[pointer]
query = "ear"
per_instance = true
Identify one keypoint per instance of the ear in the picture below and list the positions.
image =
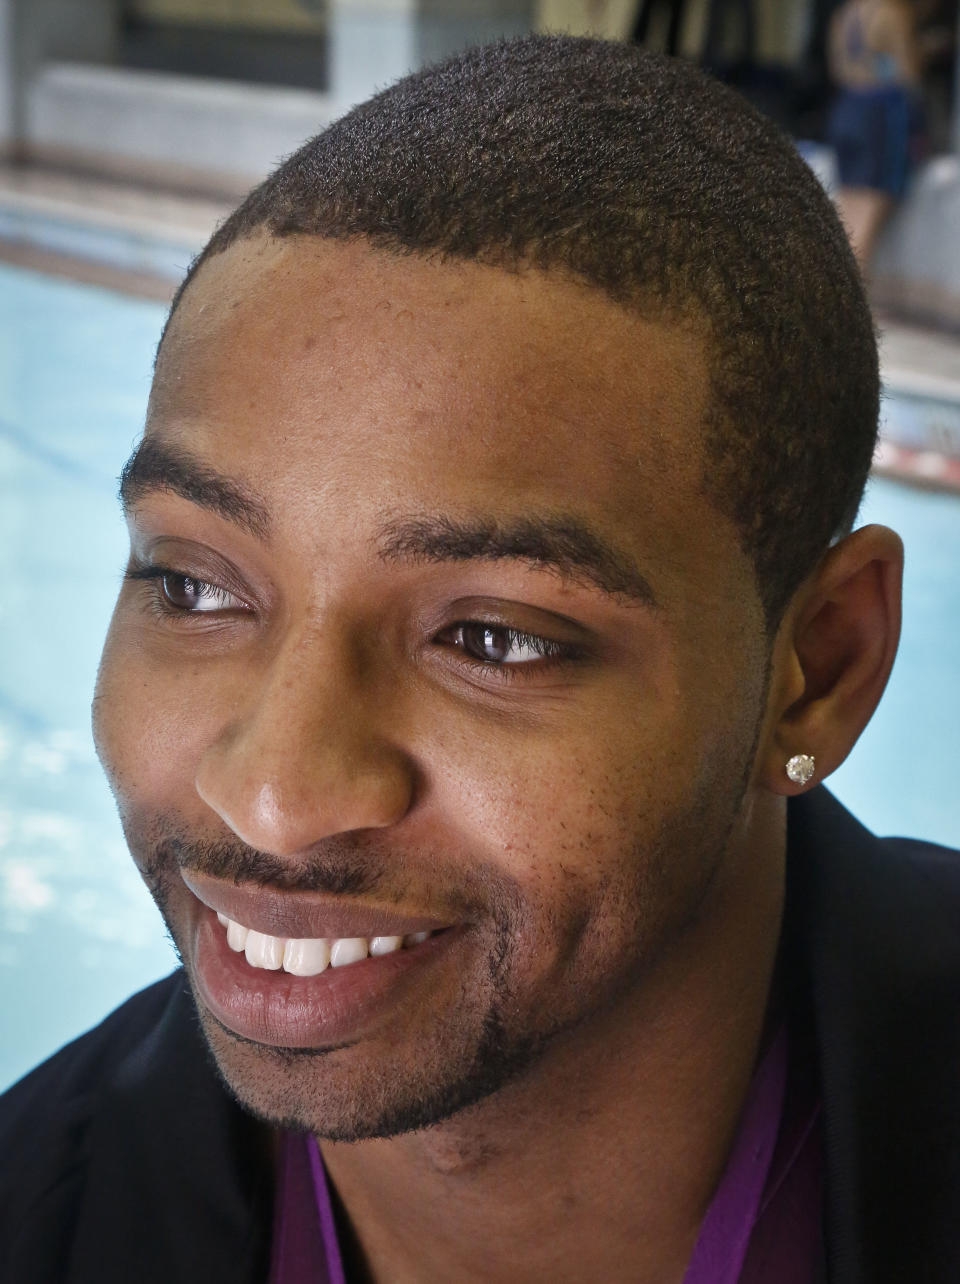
(832, 657)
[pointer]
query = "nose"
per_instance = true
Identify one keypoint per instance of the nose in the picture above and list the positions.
(309, 756)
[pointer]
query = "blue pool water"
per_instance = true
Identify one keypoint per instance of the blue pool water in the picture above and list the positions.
(78, 933)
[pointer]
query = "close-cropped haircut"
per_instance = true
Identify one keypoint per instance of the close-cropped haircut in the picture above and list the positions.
(643, 178)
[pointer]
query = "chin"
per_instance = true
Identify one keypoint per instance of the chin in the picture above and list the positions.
(349, 1093)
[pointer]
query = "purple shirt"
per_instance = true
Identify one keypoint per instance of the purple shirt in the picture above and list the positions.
(305, 1248)
(763, 1222)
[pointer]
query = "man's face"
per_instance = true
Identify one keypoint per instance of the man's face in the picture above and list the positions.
(429, 628)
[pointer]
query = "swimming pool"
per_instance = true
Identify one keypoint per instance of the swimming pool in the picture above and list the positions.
(78, 932)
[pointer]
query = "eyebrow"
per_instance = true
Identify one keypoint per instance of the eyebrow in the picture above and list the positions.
(557, 542)
(157, 467)
(554, 542)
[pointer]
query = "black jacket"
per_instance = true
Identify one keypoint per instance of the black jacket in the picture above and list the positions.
(125, 1161)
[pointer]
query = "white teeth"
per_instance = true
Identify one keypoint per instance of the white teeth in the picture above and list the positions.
(350, 949)
(385, 945)
(310, 957)
(236, 935)
(306, 957)
(264, 951)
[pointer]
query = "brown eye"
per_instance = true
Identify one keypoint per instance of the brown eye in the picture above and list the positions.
(496, 644)
(188, 594)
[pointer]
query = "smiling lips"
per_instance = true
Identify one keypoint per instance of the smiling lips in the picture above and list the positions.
(309, 956)
(293, 969)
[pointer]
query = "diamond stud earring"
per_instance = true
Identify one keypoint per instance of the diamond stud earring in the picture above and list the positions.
(801, 768)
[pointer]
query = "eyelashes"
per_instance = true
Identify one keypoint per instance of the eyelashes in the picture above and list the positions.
(186, 594)
(503, 646)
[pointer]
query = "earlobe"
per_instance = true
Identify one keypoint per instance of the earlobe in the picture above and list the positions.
(840, 637)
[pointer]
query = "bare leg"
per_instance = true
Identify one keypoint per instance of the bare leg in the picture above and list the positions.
(863, 211)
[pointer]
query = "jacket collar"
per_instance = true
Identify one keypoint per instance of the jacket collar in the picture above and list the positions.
(178, 1177)
(875, 945)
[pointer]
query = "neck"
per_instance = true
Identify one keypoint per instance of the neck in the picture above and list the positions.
(616, 1140)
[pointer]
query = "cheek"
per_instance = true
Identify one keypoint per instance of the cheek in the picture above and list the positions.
(553, 805)
(608, 817)
(150, 722)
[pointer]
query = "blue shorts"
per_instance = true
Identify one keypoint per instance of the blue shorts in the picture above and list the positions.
(877, 135)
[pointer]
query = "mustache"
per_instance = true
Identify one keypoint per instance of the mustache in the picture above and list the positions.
(354, 866)
(339, 870)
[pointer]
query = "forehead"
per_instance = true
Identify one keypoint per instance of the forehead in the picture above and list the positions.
(276, 334)
(337, 375)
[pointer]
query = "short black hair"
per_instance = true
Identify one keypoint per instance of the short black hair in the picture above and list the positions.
(646, 179)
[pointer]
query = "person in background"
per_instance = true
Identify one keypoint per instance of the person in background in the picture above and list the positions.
(876, 123)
